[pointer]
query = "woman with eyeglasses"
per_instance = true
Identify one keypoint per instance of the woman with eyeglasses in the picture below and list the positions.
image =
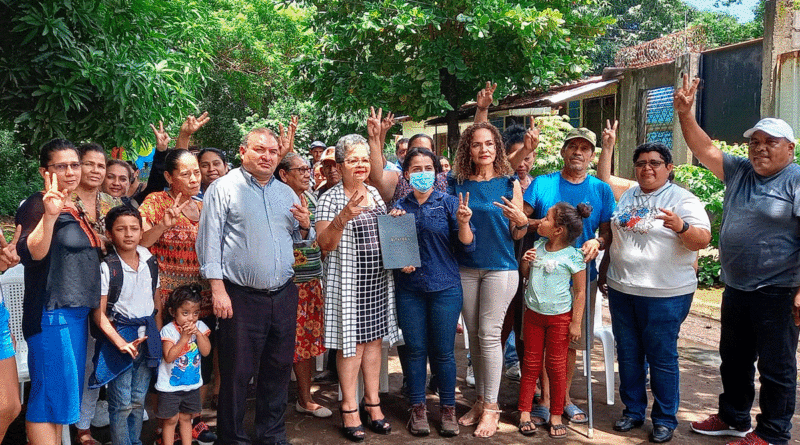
(295, 172)
(359, 292)
(61, 255)
(657, 227)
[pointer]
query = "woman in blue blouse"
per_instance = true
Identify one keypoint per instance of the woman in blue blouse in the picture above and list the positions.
(488, 274)
(429, 298)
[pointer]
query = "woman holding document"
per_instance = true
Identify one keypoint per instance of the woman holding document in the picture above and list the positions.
(429, 297)
(359, 300)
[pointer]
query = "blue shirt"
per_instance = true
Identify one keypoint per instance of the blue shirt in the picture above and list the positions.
(246, 231)
(548, 190)
(494, 247)
(437, 233)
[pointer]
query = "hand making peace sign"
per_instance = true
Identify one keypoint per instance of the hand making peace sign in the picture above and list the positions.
(54, 199)
(8, 251)
(172, 214)
(464, 213)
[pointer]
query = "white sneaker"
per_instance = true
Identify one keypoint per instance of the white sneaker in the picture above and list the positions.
(514, 373)
(145, 417)
(470, 377)
(100, 418)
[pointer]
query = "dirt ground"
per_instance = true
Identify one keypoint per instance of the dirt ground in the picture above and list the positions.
(700, 386)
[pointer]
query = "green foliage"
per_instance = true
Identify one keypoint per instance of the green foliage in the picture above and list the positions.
(424, 59)
(708, 271)
(639, 21)
(552, 131)
(316, 123)
(99, 70)
(19, 177)
(253, 43)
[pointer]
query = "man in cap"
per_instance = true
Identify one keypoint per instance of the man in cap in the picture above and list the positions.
(759, 246)
(315, 152)
(574, 185)
(329, 170)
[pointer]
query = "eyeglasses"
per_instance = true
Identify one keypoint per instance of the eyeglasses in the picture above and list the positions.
(61, 168)
(302, 170)
(652, 163)
(352, 162)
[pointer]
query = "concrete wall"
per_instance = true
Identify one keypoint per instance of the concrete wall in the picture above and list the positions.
(631, 110)
(781, 35)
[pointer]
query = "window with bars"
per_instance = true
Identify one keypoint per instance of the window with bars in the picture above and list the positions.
(574, 112)
(659, 115)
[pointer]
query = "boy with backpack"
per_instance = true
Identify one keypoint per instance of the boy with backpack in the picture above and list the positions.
(128, 342)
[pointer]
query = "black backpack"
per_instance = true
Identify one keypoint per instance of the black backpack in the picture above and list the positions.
(116, 275)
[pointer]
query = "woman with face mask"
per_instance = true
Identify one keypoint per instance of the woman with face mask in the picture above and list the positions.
(429, 297)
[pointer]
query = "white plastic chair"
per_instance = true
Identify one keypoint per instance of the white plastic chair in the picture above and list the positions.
(603, 332)
(13, 287)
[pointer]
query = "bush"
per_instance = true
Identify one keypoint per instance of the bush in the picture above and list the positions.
(19, 177)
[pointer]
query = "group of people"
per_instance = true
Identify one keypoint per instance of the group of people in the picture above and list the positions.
(266, 266)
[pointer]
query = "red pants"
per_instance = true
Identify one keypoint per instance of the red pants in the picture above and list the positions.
(542, 333)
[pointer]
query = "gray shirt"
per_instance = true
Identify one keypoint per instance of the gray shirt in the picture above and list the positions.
(759, 240)
(246, 231)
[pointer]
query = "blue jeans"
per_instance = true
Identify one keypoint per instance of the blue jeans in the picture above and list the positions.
(428, 321)
(758, 326)
(126, 395)
(510, 357)
(646, 332)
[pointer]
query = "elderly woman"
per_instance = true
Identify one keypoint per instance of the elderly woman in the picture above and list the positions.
(658, 227)
(489, 275)
(170, 221)
(359, 306)
(295, 172)
(61, 255)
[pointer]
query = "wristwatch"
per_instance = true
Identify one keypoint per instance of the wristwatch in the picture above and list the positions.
(684, 228)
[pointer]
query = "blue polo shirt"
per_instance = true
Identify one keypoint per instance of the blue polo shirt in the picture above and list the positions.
(437, 233)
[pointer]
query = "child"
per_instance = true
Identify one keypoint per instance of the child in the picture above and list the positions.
(548, 324)
(129, 280)
(184, 339)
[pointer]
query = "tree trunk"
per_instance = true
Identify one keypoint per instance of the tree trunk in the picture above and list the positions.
(449, 88)
(453, 132)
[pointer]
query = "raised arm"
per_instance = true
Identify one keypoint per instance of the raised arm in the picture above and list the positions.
(609, 138)
(54, 200)
(484, 100)
(697, 139)
(189, 127)
(384, 181)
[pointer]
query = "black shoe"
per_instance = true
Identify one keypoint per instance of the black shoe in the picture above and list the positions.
(661, 434)
(379, 426)
(352, 433)
(625, 424)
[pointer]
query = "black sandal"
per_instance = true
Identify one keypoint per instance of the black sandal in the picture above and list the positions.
(557, 429)
(352, 433)
(380, 426)
(531, 428)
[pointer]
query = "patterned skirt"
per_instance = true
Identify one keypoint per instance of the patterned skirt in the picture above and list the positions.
(308, 342)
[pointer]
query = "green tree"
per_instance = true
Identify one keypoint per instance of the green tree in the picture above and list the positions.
(639, 21)
(99, 70)
(425, 59)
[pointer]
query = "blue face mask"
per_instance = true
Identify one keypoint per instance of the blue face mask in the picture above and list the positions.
(422, 181)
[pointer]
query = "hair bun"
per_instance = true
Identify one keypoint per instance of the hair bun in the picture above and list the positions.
(584, 210)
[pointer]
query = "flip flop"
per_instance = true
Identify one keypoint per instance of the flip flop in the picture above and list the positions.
(540, 412)
(570, 411)
(527, 432)
(558, 428)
